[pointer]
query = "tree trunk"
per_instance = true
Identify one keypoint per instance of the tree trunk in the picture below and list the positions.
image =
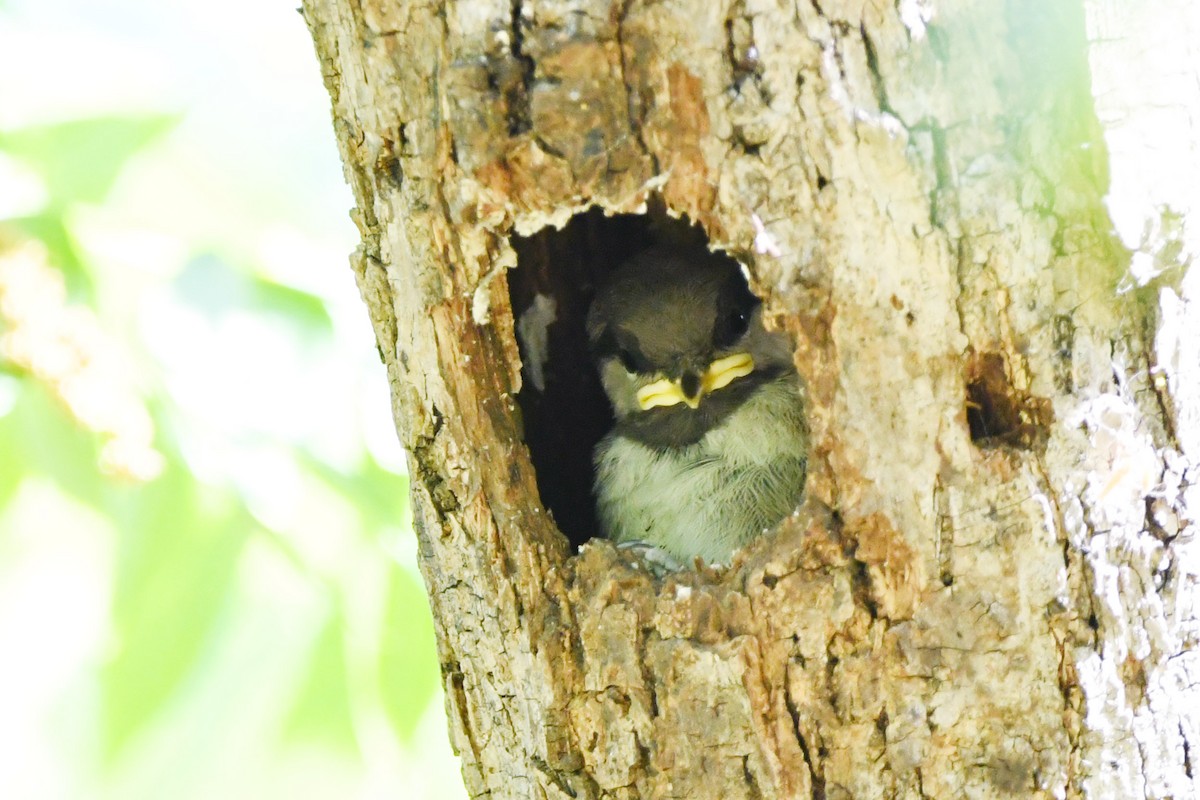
(991, 587)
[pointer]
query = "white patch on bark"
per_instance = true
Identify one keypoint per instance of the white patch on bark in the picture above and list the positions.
(533, 330)
(892, 126)
(481, 299)
(1141, 538)
(1124, 464)
(833, 75)
(1141, 712)
(764, 242)
(1142, 59)
(1177, 353)
(916, 14)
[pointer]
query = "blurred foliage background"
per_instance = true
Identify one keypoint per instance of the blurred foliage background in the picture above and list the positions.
(208, 582)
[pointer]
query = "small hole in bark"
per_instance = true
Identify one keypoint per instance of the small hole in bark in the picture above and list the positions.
(947, 579)
(749, 148)
(1093, 622)
(563, 406)
(769, 581)
(822, 181)
(998, 414)
(390, 165)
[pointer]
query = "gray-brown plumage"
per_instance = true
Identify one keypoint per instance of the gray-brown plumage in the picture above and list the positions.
(710, 443)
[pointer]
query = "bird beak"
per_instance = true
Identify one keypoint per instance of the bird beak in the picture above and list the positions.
(720, 373)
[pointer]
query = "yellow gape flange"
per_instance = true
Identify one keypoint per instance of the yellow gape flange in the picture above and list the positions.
(719, 374)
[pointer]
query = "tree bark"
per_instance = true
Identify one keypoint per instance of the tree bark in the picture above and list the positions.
(991, 588)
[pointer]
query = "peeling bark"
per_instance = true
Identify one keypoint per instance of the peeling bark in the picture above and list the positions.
(991, 589)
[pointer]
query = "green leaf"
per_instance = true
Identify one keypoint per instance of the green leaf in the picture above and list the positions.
(322, 712)
(381, 496)
(408, 658)
(293, 304)
(48, 440)
(212, 285)
(80, 160)
(181, 544)
(12, 468)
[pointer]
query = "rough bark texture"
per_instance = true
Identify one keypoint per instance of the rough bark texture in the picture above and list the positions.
(991, 589)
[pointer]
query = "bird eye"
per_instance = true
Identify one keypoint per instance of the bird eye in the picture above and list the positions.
(734, 318)
(734, 325)
(628, 360)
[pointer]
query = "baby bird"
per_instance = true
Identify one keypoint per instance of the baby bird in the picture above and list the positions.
(710, 444)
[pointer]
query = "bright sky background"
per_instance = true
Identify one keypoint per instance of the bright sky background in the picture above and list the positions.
(245, 186)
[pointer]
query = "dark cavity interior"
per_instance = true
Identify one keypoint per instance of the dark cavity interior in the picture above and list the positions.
(563, 406)
(997, 414)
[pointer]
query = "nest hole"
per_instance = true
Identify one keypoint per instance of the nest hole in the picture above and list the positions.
(563, 406)
(997, 413)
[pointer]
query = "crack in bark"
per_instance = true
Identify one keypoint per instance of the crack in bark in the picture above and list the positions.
(517, 92)
(633, 105)
(751, 782)
(554, 777)
(815, 775)
(458, 701)
(1157, 381)
(877, 84)
(861, 578)
(1068, 681)
(1187, 752)
(921, 784)
(818, 781)
(943, 546)
(943, 175)
(1064, 348)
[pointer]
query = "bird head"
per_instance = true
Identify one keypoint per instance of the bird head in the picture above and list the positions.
(679, 343)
